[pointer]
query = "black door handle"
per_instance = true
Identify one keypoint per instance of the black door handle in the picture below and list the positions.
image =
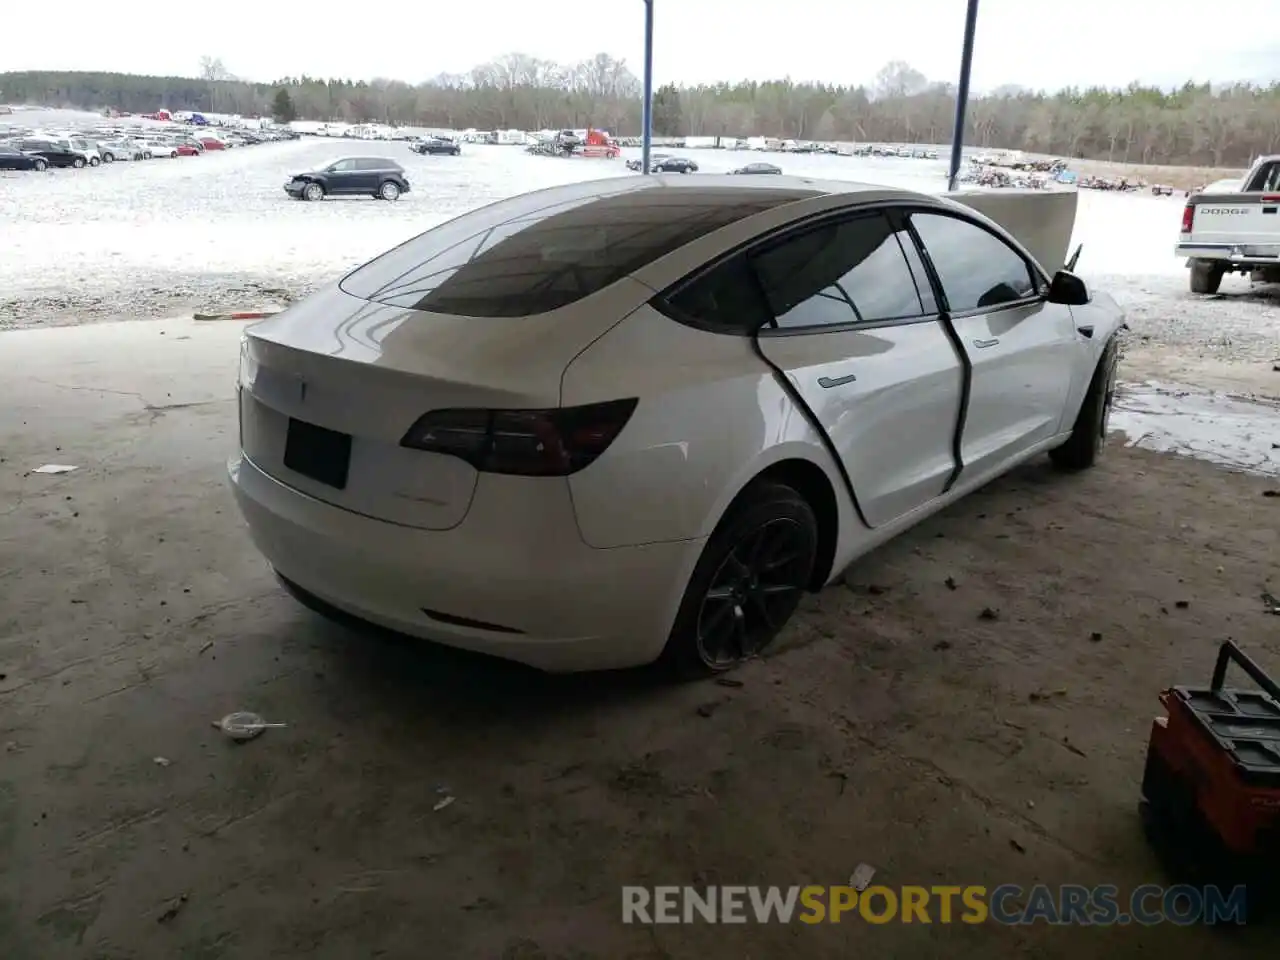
(827, 382)
(1086, 331)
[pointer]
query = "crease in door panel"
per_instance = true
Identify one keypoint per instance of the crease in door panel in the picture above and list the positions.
(966, 365)
(797, 398)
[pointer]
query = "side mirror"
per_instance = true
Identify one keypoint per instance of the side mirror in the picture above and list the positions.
(1068, 289)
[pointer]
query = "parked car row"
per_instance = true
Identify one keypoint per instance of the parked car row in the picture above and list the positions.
(37, 150)
(666, 163)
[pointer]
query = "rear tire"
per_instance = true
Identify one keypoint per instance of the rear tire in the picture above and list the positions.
(1206, 276)
(389, 191)
(746, 585)
(94, 161)
(108, 158)
(1089, 435)
(41, 166)
(78, 163)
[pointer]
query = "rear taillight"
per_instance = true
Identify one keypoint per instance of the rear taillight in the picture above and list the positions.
(1188, 217)
(527, 443)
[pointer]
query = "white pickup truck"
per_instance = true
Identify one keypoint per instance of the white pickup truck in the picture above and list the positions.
(1234, 231)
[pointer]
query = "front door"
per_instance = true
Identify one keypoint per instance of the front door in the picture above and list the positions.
(344, 178)
(1023, 349)
(869, 355)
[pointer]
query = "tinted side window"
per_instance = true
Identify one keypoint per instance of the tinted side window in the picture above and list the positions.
(924, 287)
(849, 271)
(976, 268)
(343, 166)
(726, 298)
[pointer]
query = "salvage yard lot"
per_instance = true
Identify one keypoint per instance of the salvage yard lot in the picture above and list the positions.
(970, 706)
(894, 725)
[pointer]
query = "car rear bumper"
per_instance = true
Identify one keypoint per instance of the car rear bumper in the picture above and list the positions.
(514, 581)
(1243, 254)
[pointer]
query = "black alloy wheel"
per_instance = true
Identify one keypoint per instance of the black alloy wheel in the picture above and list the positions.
(1108, 401)
(748, 581)
(754, 592)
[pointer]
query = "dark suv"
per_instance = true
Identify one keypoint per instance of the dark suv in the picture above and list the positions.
(54, 154)
(375, 177)
(436, 145)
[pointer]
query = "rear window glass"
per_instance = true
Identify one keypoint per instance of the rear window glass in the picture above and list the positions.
(545, 250)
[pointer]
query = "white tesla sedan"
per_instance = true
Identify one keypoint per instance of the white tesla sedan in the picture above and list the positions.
(612, 422)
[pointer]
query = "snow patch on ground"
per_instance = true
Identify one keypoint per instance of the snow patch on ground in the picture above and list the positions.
(1230, 431)
(213, 233)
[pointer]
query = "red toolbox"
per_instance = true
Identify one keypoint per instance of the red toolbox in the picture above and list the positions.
(1211, 788)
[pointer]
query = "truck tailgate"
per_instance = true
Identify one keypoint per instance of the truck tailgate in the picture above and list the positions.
(1239, 219)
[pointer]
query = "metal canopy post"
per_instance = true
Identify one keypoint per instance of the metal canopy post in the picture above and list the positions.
(646, 121)
(962, 92)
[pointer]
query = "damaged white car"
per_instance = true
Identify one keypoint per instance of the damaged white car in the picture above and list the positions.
(620, 421)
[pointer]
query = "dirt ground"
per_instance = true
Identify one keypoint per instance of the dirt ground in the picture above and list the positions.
(892, 726)
(1182, 178)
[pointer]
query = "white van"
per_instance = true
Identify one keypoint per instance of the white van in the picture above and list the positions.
(80, 145)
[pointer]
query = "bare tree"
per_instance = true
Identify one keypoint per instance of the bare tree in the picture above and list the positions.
(211, 68)
(1194, 125)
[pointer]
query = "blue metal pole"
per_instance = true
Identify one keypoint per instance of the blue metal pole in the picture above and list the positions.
(646, 120)
(962, 92)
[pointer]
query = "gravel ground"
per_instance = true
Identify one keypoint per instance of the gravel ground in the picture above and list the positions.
(165, 237)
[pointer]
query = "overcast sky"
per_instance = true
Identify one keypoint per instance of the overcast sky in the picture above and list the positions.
(1034, 43)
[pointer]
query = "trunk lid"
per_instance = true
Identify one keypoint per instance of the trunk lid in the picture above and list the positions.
(364, 372)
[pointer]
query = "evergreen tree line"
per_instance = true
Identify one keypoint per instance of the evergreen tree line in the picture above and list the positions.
(1197, 124)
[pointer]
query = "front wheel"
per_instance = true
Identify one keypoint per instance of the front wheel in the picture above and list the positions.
(1206, 276)
(313, 191)
(1089, 435)
(389, 191)
(748, 582)
(108, 158)
(41, 166)
(94, 161)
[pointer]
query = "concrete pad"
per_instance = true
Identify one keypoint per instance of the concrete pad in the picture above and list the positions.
(893, 726)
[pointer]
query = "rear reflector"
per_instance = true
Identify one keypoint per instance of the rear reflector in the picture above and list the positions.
(526, 443)
(1188, 217)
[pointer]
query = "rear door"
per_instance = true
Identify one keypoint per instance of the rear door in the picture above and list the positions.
(847, 326)
(1023, 350)
(368, 173)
